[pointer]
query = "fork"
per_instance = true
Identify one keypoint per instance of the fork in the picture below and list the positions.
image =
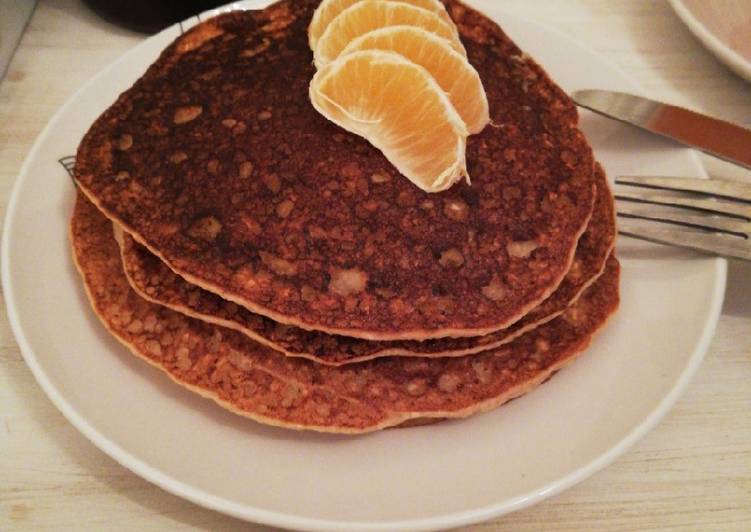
(709, 215)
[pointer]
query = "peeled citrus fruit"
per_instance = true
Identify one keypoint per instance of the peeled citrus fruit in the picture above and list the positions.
(369, 15)
(451, 70)
(329, 9)
(399, 107)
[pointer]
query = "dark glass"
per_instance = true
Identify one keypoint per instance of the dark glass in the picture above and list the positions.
(149, 16)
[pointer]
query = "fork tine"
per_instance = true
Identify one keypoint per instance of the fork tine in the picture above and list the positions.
(726, 245)
(661, 213)
(659, 201)
(732, 208)
(710, 187)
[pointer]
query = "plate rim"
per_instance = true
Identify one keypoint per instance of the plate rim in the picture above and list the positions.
(243, 511)
(732, 59)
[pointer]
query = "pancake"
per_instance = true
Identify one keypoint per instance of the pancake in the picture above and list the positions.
(154, 281)
(217, 162)
(260, 383)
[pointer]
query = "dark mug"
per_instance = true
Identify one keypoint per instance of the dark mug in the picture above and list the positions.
(150, 16)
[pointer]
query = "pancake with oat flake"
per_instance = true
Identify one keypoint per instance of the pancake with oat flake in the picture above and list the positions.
(154, 281)
(217, 162)
(257, 382)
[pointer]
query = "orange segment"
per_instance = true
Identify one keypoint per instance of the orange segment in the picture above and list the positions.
(398, 107)
(450, 69)
(329, 9)
(369, 15)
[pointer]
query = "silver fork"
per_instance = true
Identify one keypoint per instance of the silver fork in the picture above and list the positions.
(709, 215)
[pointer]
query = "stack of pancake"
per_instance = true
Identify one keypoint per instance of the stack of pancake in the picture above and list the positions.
(263, 257)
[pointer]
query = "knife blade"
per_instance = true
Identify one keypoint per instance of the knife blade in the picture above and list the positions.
(711, 135)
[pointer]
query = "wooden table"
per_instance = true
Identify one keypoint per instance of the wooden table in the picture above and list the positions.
(693, 472)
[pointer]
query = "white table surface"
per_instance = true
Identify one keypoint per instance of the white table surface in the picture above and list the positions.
(693, 472)
(14, 14)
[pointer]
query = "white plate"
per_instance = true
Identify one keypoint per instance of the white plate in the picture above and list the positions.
(724, 27)
(444, 475)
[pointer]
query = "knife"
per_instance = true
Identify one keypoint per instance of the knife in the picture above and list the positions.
(711, 135)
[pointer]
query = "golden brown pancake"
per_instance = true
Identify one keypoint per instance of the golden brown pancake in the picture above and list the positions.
(154, 281)
(217, 162)
(257, 382)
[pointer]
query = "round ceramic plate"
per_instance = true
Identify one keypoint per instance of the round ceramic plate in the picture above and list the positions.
(724, 27)
(443, 475)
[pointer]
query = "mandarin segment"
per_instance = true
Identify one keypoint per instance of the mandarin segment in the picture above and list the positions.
(329, 9)
(423, 137)
(368, 15)
(451, 70)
